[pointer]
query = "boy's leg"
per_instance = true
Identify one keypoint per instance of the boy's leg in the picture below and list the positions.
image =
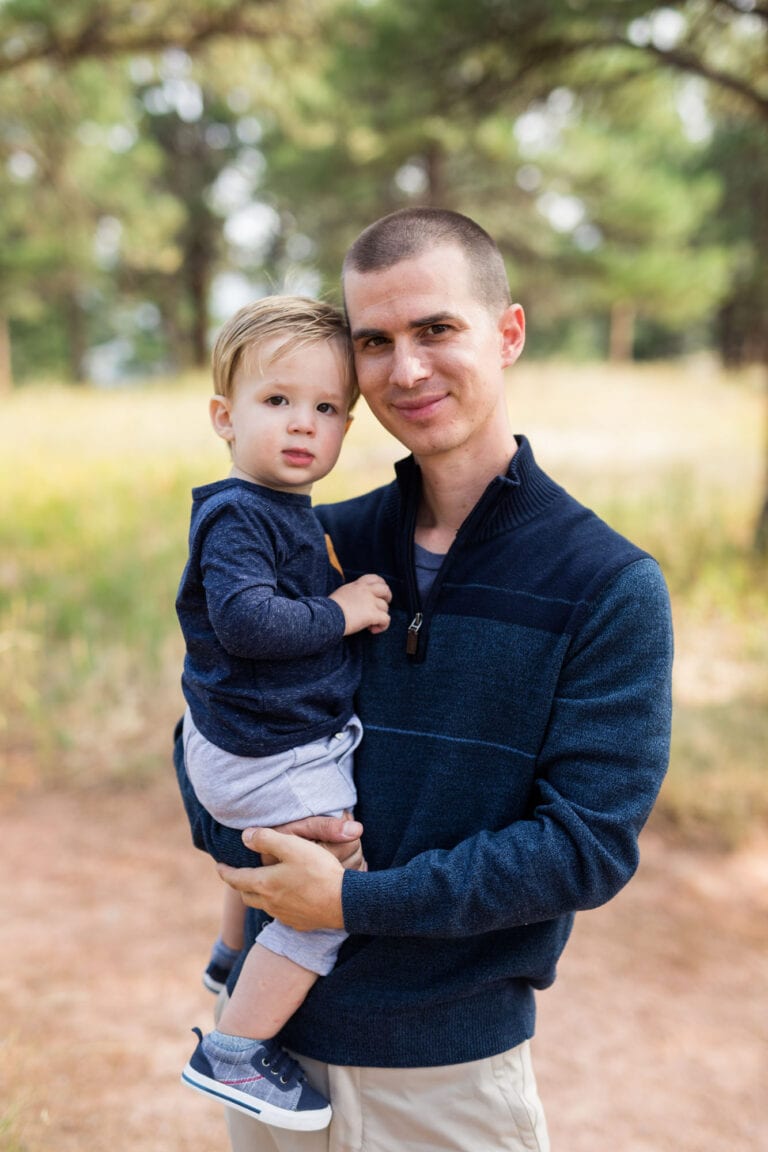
(241, 1065)
(229, 944)
(269, 989)
(232, 930)
(248, 1135)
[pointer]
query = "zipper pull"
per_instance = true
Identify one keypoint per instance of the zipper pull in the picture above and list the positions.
(412, 639)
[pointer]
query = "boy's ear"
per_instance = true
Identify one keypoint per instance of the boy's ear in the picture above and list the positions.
(221, 418)
(350, 418)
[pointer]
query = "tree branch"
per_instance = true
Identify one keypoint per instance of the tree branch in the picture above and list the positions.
(102, 37)
(679, 60)
(695, 65)
(734, 5)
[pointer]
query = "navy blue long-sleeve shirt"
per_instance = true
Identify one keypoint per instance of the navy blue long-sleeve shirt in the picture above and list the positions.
(266, 667)
(507, 767)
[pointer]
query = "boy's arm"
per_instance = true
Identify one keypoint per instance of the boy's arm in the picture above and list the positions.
(252, 620)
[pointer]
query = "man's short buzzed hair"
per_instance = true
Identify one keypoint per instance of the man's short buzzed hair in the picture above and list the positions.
(409, 232)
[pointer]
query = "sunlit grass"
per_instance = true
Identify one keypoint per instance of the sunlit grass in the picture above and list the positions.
(94, 506)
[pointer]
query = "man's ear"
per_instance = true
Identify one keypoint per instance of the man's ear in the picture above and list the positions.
(221, 418)
(512, 329)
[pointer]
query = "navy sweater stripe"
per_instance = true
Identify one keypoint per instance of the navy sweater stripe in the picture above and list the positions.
(423, 734)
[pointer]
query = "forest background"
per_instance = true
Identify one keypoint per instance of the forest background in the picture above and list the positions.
(162, 163)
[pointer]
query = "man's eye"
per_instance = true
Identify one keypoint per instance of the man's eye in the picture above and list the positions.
(326, 407)
(276, 401)
(438, 329)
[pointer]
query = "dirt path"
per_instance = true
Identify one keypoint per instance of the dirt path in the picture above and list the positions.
(654, 1038)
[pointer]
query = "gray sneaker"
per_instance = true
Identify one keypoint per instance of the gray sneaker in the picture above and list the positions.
(268, 1086)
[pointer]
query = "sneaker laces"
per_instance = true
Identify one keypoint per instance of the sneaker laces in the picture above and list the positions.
(282, 1065)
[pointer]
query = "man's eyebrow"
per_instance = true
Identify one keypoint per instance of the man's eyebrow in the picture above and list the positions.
(419, 322)
(365, 333)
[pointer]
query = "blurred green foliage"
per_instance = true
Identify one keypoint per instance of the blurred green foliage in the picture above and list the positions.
(154, 160)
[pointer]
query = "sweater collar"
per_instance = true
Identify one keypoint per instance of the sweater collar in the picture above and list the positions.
(514, 498)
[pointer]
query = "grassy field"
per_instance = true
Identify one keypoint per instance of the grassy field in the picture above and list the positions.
(94, 496)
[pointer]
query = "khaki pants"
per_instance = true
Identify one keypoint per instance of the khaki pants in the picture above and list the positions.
(483, 1106)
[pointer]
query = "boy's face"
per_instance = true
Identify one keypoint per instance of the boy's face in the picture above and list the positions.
(286, 419)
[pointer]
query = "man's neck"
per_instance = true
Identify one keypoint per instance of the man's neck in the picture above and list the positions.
(451, 487)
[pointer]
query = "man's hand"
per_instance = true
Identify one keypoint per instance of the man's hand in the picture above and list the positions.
(303, 889)
(339, 835)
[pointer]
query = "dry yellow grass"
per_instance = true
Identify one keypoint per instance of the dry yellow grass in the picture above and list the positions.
(93, 515)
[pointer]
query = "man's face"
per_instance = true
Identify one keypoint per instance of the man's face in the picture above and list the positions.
(430, 356)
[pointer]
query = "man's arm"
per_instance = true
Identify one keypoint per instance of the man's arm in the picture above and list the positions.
(601, 767)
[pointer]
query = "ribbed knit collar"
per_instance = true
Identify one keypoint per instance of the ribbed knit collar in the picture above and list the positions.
(508, 501)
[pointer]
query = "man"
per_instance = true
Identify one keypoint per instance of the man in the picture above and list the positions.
(516, 719)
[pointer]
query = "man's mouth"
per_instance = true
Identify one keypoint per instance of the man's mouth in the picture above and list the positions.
(417, 407)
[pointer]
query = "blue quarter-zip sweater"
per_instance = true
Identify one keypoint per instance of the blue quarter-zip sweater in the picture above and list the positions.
(516, 736)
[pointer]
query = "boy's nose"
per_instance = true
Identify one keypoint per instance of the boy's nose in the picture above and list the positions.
(302, 421)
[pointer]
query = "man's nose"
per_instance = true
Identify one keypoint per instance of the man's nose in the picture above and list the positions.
(408, 367)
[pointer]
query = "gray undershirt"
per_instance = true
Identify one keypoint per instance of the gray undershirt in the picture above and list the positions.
(427, 566)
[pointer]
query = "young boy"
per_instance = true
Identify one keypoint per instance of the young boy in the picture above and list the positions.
(269, 730)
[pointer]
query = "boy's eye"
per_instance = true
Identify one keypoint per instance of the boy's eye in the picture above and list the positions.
(326, 407)
(276, 401)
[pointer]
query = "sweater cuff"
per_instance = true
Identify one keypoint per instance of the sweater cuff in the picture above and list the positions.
(370, 904)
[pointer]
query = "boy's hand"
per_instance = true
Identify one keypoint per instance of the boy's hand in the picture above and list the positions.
(365, 604)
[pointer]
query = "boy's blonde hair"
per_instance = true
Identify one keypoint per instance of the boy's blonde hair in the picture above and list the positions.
(298, 320)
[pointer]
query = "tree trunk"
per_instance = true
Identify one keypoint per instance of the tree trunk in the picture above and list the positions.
(199, 293)
(761, 527)
(76, 337)
(434, 171)
(622, 336)
(198, 262)
(6, 371)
